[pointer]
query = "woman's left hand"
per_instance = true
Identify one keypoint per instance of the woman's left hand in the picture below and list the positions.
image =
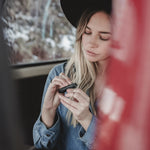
(78, 103)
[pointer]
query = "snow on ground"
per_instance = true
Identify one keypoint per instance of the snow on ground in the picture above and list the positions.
(67, 42)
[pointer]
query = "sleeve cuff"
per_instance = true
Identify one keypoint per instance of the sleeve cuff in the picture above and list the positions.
(47, 135)
(88, 137)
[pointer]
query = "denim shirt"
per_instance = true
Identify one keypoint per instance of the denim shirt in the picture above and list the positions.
(61, 135)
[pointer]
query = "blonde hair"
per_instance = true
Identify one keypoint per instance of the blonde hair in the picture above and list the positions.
(79, 69)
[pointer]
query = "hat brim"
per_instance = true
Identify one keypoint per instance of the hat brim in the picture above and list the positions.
(73, 9)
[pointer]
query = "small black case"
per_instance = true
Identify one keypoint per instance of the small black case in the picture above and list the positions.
(63, 89)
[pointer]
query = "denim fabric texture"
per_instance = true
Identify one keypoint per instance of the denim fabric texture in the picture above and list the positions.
(62, 136)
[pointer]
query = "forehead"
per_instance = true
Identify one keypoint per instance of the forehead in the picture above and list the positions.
(100, 21)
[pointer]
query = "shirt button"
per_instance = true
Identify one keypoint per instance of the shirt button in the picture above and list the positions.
(48, 135)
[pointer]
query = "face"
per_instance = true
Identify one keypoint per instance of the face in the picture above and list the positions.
(96, 38)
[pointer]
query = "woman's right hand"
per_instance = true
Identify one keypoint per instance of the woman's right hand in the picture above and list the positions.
(52, 100)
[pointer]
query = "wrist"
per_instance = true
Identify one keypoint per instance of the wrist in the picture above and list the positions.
(48, 117)
(86, 122)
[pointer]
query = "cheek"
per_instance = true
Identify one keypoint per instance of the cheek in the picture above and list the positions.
(84, 42)
(105, 49)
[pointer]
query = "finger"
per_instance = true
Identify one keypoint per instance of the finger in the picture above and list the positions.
(69, 103)
(70, 90)
(81, 93)
(78, 94)
(78, 90)
(56, 83)
(72, 109)
(71, 97)
(63, 76)
(82, 102)
(61, 80)
(69, 94)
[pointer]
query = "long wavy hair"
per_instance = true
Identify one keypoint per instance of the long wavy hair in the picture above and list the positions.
(79, 69)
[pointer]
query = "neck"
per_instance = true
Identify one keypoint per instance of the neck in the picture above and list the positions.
(100, 78)
(102, 67)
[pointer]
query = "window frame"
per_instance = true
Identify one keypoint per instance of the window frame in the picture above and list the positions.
(21, 71)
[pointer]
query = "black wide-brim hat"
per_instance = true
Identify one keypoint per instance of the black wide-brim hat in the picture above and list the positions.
(73, 9)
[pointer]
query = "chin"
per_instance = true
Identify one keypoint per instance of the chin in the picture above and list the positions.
(92, 60)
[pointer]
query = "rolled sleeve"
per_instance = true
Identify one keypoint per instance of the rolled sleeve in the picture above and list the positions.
(88, 137)
(45, 137)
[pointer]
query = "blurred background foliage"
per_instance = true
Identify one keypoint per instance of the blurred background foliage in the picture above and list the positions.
(37, 30)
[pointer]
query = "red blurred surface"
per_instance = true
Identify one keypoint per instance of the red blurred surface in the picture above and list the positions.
(125, 124)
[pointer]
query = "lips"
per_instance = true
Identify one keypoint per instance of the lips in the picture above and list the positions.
(90, 53)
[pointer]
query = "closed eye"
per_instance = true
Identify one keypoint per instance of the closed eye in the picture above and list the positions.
(104, 38)
(87, 32)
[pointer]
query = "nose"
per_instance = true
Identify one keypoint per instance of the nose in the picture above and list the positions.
(93, 42)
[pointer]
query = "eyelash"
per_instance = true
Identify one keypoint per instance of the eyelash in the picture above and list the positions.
(103, 39)
(87, 33)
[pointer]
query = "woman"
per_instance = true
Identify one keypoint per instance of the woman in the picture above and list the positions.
(67, 121)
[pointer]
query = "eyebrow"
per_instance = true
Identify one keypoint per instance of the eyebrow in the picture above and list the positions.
(102, 32)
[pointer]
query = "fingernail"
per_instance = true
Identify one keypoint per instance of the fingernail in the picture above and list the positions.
(59, 95)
